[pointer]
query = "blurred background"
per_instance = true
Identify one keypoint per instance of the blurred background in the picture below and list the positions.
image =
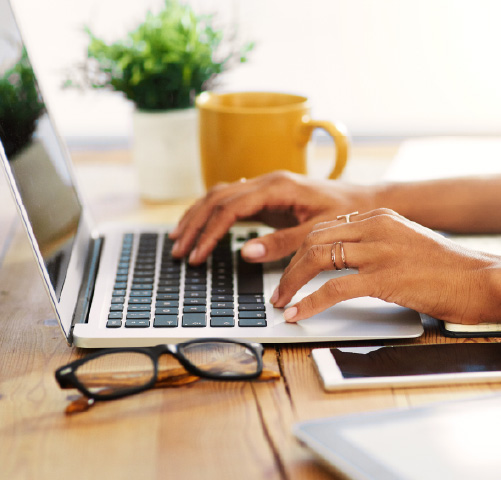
(386, 68)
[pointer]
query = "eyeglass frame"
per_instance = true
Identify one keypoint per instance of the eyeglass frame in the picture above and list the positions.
(67, 378)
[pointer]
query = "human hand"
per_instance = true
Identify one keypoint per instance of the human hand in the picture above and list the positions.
(290, 202)
(398, 261)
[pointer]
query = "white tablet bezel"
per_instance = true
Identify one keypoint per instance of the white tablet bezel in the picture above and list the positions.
(332, 379)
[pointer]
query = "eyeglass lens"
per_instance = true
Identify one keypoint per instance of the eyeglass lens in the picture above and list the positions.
(221, 358)
(116, 372)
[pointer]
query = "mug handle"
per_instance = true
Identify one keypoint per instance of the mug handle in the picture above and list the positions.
(338, 133)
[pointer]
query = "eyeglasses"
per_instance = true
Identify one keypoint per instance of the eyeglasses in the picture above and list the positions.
(115, 373)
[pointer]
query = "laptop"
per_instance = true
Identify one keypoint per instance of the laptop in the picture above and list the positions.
(118, 285)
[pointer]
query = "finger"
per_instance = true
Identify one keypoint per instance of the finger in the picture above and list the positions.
(356, 218)
(196, 217)
(332, 292)
(276, 245)
(184, 219)
(318, 259)
(225, 214)
(346, 232)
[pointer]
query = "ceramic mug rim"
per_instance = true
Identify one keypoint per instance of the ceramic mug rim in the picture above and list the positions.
(297, 102)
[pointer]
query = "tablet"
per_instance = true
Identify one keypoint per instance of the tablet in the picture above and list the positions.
(451, 440)
(407, 365)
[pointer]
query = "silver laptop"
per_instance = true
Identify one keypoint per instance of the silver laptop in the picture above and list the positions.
(118, 285)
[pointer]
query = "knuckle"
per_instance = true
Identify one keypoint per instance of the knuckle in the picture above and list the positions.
(385, 211)
(280, 177)
(310, 240)
(334, 288)
(216, 190)
(314, 254)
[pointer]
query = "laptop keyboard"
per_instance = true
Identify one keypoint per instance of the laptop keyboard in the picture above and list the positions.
(153, 289)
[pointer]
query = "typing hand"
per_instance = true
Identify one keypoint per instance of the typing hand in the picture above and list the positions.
(290, 202)
(398, 261)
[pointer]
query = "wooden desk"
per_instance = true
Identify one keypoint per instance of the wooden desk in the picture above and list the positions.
(204, 430)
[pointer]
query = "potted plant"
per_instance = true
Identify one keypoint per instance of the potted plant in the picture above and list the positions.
(161, 66)
(20, 106)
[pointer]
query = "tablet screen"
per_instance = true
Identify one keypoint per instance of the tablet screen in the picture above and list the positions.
(418, 359)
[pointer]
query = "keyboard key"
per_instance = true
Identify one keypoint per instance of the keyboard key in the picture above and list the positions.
(168, 282)
(120, 286)
(194, 309)
(250, 278)
(138, 315)
(225, 283)
(119, 293)
(144, 274)
(194, 294)
(251, 315)
(140, 293)
(137, 323)
(167, 311)
(139, 307)
(222, 291)
(168, 296)
(194, 320)
(195, 288)
(115, 315)
(222, 305)
(171, 269)
(222, 322)
(114, 323)
(195, 280)
(169, 289)
(170, 276)
(222, 298)
(194, 301)
(143, 300)
(167, 304)
(252, 322)
(220, 312)
(251, 307)
(250, 299)
(165, 321)
(116, 307)
(142, 286)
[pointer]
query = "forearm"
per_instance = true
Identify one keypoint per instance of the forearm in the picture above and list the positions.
(457, 205)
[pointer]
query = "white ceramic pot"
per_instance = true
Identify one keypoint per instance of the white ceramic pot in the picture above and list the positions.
(166, 154)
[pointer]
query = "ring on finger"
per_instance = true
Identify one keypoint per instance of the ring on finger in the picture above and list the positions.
(333, 255)
(347, 217)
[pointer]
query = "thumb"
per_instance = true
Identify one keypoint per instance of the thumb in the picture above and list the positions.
(276, 245)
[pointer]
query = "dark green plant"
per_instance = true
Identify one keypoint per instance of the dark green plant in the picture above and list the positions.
(162, 64)
(20, 106)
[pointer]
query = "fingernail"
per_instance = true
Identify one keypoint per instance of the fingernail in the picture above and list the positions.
(175, 248)
(193, 256)
(253, 250)
(274, 297)
(174, 232)
(290, 313)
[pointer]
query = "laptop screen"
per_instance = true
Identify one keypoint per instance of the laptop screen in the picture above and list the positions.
(35, 155)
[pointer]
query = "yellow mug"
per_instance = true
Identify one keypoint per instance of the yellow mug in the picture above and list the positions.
(246, 134)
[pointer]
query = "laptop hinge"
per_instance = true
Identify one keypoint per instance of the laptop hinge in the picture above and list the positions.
(89, 281)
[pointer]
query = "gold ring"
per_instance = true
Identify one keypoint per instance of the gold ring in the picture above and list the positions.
(333, 255)
(347, 216)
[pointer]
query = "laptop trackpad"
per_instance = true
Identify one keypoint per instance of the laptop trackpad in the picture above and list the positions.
(357, 318)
